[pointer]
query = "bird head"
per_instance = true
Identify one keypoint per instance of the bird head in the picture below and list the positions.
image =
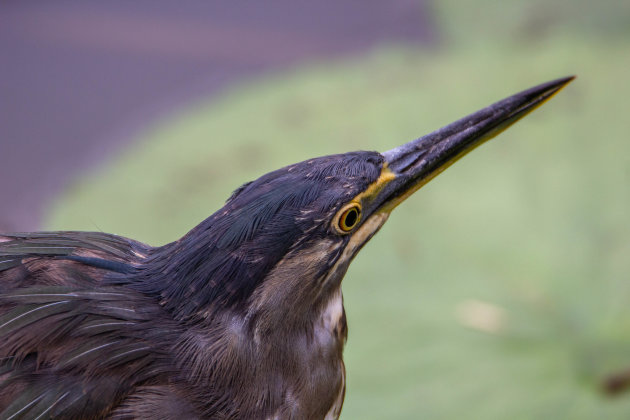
(281, 245)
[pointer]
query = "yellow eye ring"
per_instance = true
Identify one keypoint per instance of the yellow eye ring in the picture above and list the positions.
(348, 217)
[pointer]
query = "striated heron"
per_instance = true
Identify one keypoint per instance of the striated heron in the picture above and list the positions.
(242, 318)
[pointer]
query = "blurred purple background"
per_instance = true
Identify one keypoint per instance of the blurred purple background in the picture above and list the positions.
(80, 78)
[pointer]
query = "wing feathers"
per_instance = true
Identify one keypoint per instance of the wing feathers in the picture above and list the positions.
(69, 346)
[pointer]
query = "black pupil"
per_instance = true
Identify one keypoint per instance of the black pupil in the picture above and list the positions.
(351, 217)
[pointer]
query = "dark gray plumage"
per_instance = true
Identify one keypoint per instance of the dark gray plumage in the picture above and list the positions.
(242, 318)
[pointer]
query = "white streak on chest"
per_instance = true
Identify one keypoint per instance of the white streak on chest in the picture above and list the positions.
(333, 311)
(327, 326)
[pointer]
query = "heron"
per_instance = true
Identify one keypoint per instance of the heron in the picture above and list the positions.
(241, 318)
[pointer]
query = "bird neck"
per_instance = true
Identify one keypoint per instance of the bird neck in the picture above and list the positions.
(245, 359)
(193, 276)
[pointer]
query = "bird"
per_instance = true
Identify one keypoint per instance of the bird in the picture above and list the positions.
(241, 318)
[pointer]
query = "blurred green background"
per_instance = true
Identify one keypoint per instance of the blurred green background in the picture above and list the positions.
(501, 289)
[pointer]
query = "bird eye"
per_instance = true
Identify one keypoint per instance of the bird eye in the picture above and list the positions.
(348, 218)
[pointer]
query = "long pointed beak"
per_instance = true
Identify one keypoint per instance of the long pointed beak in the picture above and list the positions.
(415, 163)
